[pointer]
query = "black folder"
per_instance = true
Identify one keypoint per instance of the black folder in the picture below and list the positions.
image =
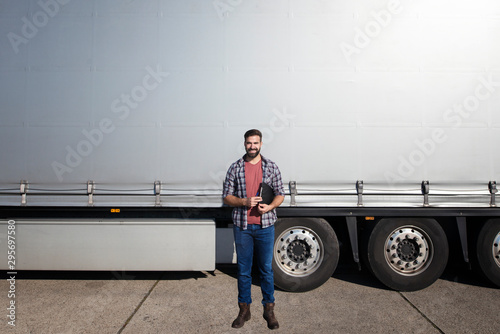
(267, 193)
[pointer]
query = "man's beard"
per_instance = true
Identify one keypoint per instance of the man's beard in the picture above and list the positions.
(252, 154)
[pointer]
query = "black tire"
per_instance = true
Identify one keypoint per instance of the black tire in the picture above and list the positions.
(488, 250)
(407, 254)
(306, 253)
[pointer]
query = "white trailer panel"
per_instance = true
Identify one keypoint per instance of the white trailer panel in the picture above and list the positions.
(112, 244)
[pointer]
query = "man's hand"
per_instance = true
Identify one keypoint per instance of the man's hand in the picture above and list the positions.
(252, 201)
(263, 208)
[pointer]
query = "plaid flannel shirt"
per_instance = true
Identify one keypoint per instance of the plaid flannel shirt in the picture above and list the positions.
(235, 185)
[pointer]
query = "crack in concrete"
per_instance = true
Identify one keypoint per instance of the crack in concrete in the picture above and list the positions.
(139, 306)
(421, 313)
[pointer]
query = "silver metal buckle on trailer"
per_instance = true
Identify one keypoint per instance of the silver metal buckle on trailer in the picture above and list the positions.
(359, 190)
(425, 191)
(23, 189)
(90, 192)
(157, 193)
(492, 186)
(293, 192)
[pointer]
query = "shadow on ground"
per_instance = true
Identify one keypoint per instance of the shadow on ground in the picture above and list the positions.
(344, 272)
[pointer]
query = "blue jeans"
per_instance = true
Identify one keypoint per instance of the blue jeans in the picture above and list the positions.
(262, 241)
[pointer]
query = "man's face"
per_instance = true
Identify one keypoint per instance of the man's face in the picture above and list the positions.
(252, 146)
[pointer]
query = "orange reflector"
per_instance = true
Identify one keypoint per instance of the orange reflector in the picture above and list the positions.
(115, 210)
(369, 218)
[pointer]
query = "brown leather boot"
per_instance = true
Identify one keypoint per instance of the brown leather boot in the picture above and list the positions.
(243, 316)
(272, 323)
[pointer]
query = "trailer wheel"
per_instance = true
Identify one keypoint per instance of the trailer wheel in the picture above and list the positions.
(407, 254)
(488, 250)
(306, 253)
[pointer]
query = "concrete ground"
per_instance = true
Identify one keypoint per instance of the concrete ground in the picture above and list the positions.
(205, 302)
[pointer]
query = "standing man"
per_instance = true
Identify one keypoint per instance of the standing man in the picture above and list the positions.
(254, 224)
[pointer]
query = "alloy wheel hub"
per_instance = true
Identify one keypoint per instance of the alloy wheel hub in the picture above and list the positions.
(408, 250)
(496, 249)
(298, 251)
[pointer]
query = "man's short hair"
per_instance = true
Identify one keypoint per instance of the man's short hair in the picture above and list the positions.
(253, 132)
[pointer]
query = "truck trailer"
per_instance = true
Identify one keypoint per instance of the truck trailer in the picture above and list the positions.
(119, 120)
